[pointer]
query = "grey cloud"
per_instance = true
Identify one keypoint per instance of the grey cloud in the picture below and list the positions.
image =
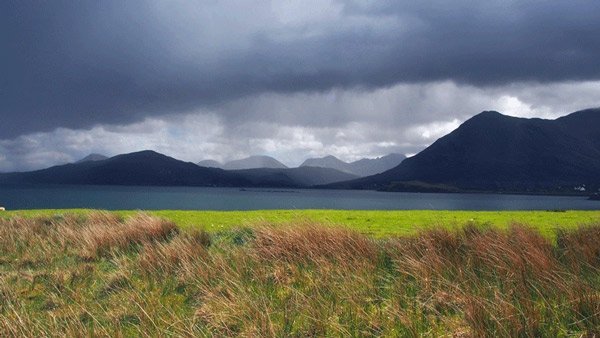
(77, 64)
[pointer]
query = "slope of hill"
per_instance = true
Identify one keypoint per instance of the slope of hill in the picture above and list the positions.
(253, 162)
(140, 168)
(362, 167)
(494, 152)
(293, 177)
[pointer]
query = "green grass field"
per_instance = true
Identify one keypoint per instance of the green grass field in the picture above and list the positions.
(375, 223)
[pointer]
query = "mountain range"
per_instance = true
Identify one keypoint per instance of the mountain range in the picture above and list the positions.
(490, 152)
(362, 167)
(139, 168)
(149, 168)
(499, 153)
(251, 162)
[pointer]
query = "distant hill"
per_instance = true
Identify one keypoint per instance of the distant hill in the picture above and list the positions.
(140, 168)
(363, 167)
(329, 161)
(293, 177)
(494, 152)
(372, 166)
(92, 158)
(253, 162)
(210, 164)
(149, 168)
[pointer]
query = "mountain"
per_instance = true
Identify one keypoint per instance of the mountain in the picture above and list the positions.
(254, 162)
(140, 168)
(329, 161)
(210, 164)
(293, 177)
(494, 152)
(92, 158)
(148, 168)
(363, 167)
(372, 166)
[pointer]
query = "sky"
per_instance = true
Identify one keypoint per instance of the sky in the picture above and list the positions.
(219, 79)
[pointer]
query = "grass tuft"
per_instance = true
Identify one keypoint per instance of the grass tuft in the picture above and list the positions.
(313, 243)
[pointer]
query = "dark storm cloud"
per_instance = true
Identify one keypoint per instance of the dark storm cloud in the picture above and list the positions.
(79, 63)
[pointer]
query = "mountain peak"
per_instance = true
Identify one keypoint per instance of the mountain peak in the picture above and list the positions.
(210, 164)
(253, 162)
(93, 157)
(142, 156)
(328, 161)
(488, 118)
(488, 114)
(146, 153)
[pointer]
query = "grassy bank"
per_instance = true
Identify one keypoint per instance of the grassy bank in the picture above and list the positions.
(375, 223)
(100, 274)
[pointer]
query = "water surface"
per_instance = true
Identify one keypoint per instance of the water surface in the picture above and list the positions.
(200, 198)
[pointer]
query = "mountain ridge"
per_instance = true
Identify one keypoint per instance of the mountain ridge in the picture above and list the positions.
(149, 168)
(500, 153)
(92, 158)
(250, 162)
(362, 167)
(146, 168)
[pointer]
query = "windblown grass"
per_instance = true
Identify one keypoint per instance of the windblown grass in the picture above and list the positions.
(101, 274)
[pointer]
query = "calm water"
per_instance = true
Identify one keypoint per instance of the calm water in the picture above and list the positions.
(190, 198)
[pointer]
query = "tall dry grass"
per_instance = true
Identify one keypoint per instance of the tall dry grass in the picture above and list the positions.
(105, 234)
(511, 283)
(311, 242)
(142, 276)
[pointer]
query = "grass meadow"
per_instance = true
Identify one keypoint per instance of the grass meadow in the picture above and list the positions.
(369, 222)
(313, 273)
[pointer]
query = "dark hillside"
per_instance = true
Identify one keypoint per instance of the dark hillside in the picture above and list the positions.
(494, 152)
